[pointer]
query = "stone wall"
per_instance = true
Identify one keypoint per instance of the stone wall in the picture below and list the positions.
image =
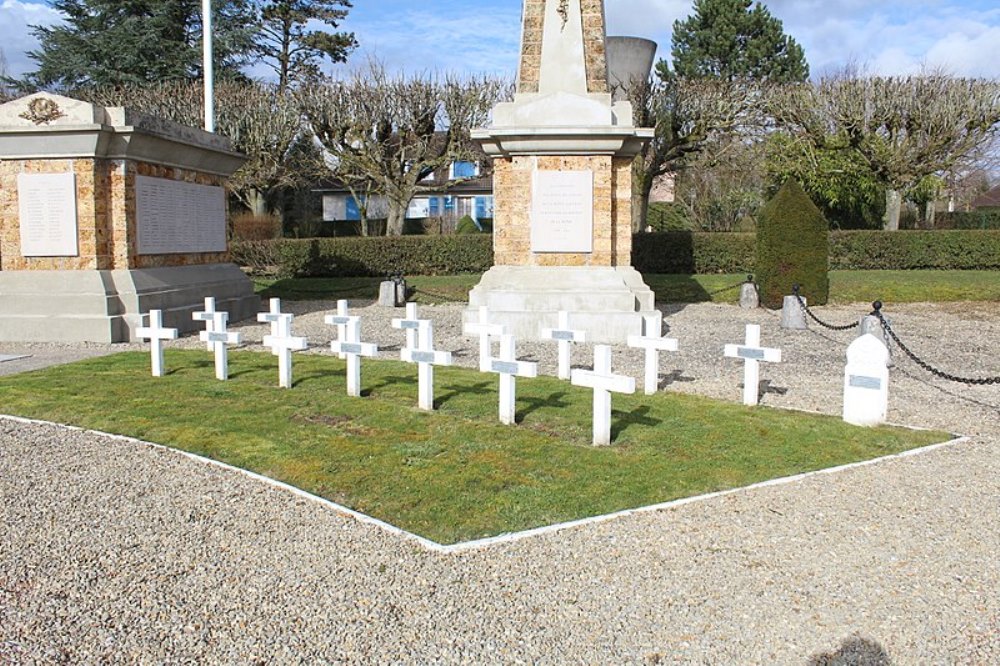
(612, 228)
(106, 215)
(592, 13)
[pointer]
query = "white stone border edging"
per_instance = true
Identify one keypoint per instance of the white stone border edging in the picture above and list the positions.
(511, 536)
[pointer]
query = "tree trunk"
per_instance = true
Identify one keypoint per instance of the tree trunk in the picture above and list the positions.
(641, 189)
(395, 220)
(893, 206)
(257, 203)
(930, 214)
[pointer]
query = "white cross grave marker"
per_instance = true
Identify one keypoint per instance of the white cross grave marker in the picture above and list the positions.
(508, 367)
(156, 334)
(282, 345)
(340, 320)
(484, 329)
(604, 383)
(653, 342)
(206, 316)
(410, 324)
(218, 337)
(753, 354)
(354, 349)
(426, 357)
(271, 317)
(565, 336)
(866, 382)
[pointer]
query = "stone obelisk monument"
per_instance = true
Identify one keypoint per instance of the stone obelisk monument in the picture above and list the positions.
(562, 154)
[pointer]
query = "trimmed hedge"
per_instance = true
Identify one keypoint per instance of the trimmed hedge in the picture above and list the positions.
(978, 219)
(669, 252)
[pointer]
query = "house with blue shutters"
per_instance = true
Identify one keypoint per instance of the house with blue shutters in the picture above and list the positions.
(452, 193)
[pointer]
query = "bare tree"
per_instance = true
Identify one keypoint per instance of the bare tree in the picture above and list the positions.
(906, 128)
(386, 133)
(261, 122)
(686, 114)
(6, 88)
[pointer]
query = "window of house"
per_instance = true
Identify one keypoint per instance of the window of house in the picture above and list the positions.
(463, 170)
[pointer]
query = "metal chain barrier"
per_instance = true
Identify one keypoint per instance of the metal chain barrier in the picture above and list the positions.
(924, 364)
(805, 308)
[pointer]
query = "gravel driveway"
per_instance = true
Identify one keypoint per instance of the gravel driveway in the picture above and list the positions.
(115, 552)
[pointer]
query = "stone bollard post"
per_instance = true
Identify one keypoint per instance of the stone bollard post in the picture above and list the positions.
(400, 290)
(749, 296)
(871, 324)
(793, 314)
(387, 294)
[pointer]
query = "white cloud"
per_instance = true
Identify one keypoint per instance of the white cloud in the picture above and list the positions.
(17, 16)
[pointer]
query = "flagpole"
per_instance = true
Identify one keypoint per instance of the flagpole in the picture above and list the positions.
(206, 21)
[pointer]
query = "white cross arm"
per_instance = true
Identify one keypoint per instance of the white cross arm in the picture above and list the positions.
(420, 356)
(281, 342)
(753, 353)
(518, 368)
(360, 348)
(228, 337)
(150, 333)
(407, 324)
(613, 383)
(568, 336)
(478, 329)
(663, 344)
(202, 316)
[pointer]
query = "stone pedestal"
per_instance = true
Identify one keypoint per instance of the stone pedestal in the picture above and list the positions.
(562, 155)
(793, 316)
(749, 296)
(106, 214)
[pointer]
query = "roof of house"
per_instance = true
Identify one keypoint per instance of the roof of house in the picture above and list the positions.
(988, 199)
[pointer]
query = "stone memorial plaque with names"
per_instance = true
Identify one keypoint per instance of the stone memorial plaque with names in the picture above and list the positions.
(860, 381)
(174, 217)
(562, 211)
(47, 209)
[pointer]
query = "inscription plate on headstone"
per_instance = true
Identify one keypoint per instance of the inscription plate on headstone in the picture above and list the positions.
(47, 209)
(562, 211)
(175, 217)
(351, 348)
(860, 381)
(423, 357)
(564, 335)
(753, 354)
(507, 367)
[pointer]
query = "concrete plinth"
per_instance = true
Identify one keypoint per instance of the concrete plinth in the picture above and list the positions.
(106, 305)
(606, 302)
(793, 317)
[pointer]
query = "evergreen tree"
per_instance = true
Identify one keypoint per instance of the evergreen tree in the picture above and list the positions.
(293, 51)
(734, 39)
(121, 42)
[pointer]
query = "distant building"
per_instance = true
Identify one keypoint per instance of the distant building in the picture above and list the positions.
(987, 200)
(472, 196)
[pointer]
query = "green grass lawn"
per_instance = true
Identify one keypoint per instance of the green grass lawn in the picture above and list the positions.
(455, 474)
(845, 287)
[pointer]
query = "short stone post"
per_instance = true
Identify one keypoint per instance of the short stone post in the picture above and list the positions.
(564, 335)
(206, 316)
(752, 353)
(866, 382)
(387, 294)
(219, 337)
(340, 320)
(604, 384)
(156, 334)
(426, 357)
(653, 342)
(508, 367)
(484, 329)
(749, 295)
(354, 349)
(793, 315)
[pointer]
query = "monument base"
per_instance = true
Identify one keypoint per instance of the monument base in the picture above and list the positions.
(107, 306)
(606, 302)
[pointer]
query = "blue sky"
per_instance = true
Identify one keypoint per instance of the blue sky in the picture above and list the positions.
(893, 37)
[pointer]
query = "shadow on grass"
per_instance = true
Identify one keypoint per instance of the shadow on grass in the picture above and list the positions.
(622, 421)
(532, 405)
(479, 388)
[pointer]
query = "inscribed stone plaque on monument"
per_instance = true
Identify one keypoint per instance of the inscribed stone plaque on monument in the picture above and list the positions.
(174, 217)
(47, 209)
(562, 211)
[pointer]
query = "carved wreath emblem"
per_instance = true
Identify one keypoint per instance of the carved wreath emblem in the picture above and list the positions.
(41, 111)
(563, 11)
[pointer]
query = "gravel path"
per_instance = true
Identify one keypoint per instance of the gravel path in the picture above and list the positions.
(119, 553)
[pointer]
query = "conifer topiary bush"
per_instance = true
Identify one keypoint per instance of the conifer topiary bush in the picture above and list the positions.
(793, 247)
